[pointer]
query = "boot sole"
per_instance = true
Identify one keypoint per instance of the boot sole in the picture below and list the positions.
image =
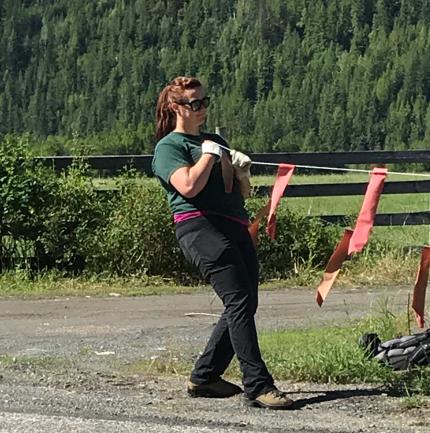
(208, 394)
(255, 403)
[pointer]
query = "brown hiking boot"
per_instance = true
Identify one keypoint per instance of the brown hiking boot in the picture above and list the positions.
(273, 399)
(219, 389)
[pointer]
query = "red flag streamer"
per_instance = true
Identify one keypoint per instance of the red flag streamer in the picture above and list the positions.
(419, 297)
(333, 267)
(285, 171)
(253, 227)
(365, 219)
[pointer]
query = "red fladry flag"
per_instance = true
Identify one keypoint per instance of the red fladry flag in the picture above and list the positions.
(333, 267)
(419, 297)
(254, 226)
(365, 219)
(285, 171)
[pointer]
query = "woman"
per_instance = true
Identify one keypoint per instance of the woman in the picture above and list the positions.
(204, 194)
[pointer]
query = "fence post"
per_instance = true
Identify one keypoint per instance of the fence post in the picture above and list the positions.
(219, 130)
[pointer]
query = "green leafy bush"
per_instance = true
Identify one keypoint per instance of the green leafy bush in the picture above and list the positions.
(139, 237)
(301, 243)
(46, 220)
(75, 213)
(26, 192)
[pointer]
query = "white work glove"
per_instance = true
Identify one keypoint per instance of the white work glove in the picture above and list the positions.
(239, 159)
(242, 164)
(212, 148)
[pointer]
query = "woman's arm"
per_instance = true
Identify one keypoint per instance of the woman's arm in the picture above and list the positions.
(189, 181)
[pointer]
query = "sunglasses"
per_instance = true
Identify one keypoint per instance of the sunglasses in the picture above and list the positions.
(197, 104)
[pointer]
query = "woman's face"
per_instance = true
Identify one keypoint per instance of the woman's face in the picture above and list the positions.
(185, 110)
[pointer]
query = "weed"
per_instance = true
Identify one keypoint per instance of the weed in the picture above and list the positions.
(414, 402)
(168, 362)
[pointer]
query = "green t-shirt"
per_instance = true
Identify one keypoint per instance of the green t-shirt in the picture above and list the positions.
(177, 150)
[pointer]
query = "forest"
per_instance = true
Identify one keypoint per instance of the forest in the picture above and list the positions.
(283, 75)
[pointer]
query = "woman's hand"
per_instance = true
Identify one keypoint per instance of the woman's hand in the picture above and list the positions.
(242, 164)
(239, 159)
(212, 148)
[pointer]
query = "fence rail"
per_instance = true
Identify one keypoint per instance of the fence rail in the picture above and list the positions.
(335, 189)
(397, 219)
(327, 159)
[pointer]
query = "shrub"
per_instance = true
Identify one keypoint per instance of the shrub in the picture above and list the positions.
(139, 237)
(76, 212)
(301, 242)
(26, 192)
(44, 217)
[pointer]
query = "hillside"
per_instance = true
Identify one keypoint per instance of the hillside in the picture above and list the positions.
(284, 75)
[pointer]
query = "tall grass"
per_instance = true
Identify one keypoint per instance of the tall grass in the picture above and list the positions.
(333, 355)
(320, 355)
(50, 284)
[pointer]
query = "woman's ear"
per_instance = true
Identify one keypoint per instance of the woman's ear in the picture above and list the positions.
(174, 107)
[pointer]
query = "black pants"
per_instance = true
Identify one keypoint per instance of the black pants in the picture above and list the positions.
(223, 251)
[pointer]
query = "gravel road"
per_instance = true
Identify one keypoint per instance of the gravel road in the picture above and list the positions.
(62, 367)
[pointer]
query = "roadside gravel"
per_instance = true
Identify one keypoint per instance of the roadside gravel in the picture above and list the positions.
(66, 358)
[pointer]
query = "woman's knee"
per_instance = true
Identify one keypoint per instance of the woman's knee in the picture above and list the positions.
(240, 303)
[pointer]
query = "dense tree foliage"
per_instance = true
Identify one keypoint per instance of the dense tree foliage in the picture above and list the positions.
(284, 75)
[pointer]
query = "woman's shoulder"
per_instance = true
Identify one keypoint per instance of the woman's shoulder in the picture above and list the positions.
(171, 140)
(171, 137)
(182, 138)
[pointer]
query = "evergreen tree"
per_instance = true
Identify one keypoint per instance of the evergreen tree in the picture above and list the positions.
(282, 74)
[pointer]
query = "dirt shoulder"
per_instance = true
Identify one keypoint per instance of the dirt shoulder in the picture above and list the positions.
(70, 355)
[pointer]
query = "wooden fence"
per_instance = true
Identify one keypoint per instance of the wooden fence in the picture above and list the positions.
(112, 163)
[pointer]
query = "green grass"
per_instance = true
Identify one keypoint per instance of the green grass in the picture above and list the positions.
(30, 362)
(301, 179)
(319, 355)
(363, 270)
(369, 268)
(415, 402)
(328, 355)
(53, 284)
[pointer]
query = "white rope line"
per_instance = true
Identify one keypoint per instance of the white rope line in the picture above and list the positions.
(202, 314)
(356, 170)
(316, 167)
